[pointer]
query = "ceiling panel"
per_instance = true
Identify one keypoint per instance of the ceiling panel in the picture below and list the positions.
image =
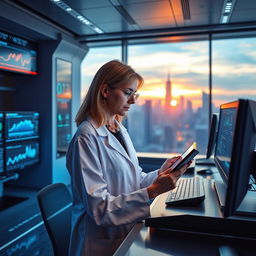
(101, 15)
(149, 10)
(199, 7)
(147, 14)
(115, 27)
(156, 23)
(246, 15)
(87, 4)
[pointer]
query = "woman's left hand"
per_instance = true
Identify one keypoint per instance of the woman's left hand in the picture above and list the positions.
(168, 163)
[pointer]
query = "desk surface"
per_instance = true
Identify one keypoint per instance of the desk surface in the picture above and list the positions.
(150, 241)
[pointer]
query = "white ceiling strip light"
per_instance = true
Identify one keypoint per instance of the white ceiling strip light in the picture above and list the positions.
(77, 15)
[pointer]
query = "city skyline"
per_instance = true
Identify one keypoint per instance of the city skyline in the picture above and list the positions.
(233, 76)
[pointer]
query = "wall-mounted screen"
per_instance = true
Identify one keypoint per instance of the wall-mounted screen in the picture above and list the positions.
(21, 126)
(17, 54)
(21, 155)
(63, 102)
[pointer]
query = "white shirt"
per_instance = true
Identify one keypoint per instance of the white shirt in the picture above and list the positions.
(109, 189)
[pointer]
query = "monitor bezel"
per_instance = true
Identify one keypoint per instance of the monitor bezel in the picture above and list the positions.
(241, 156)
(212, 136)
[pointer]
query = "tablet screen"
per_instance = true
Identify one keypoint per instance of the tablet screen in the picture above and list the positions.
(188, 155)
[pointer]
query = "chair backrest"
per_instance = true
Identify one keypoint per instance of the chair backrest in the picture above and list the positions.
(55, 204)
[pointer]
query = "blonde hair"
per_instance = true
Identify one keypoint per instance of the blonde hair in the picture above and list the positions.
(114, 73)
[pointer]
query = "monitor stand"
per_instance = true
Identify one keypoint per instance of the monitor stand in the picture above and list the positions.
(248, 205)
(220, 188)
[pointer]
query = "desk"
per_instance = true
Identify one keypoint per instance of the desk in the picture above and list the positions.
(150, 241)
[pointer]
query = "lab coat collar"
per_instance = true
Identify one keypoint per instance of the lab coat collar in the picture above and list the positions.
(113, 142)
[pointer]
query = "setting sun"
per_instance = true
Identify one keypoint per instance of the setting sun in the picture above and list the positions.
(173, 103)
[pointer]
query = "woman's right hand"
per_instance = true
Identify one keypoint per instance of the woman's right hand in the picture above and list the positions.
(165, 181)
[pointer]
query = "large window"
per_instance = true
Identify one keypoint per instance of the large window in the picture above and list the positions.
(234, 69)
(172, 110)
(93, 61)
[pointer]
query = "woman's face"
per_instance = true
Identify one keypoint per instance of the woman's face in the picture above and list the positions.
(119, 100)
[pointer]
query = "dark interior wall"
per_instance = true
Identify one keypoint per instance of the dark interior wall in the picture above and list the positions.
(19, 92)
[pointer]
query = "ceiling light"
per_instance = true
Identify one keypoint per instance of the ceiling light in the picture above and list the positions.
(227, 9)
(77, 15)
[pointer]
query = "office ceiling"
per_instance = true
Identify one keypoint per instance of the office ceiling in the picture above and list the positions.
(127, 17)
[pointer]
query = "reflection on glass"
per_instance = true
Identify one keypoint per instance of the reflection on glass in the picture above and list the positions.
(93, 61)
(63, 101)
(233, 75)
(172, 110)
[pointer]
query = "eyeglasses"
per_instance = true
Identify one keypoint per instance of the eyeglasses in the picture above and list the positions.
(128, 93)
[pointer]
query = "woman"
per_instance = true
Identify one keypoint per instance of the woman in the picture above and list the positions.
(110, 191)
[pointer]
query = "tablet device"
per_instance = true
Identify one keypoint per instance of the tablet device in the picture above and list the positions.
(187, 156)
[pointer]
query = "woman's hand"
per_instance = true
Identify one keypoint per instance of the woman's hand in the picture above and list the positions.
(165, 181)
(167, 164)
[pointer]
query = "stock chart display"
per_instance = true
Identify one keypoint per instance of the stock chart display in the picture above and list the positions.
(17, 54)
(21, 125)
(63, 102)
(225, 137)
(22, 154)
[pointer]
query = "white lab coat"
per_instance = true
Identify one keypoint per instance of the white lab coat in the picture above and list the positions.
(109, 189)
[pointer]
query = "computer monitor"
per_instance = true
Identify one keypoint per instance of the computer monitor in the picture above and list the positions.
(21, 154)
(212, 136)
(211, 142)
(21, 126)
(17, 54)
(234, 151)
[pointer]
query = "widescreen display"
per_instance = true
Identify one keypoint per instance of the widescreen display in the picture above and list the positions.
(17, 54)
(21, 154)
(21, 126)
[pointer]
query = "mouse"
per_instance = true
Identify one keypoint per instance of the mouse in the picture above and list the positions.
(226, 250)
(205, 171)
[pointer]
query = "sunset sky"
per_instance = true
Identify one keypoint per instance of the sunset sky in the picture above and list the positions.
(233, 65)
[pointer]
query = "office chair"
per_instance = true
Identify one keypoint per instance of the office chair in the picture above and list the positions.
(55, 204)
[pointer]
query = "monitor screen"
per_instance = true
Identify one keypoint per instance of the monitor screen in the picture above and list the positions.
(17, 54)
(225, 138)
(234, 153)
(21, 154)
(21, 126)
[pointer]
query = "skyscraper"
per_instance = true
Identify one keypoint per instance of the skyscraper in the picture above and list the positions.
(168, 92)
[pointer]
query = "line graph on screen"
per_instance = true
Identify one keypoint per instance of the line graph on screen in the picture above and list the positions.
(15, 59)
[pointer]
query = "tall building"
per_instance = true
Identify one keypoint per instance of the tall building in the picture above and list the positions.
(148, 121)
(168, 92)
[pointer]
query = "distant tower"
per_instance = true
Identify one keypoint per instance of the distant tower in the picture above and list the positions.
(168, 91)
(148, 123)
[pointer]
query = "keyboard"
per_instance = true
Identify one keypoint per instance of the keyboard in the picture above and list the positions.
(188, 191)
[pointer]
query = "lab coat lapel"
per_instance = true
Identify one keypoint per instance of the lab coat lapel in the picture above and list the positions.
(114, 143)
(129, 145)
